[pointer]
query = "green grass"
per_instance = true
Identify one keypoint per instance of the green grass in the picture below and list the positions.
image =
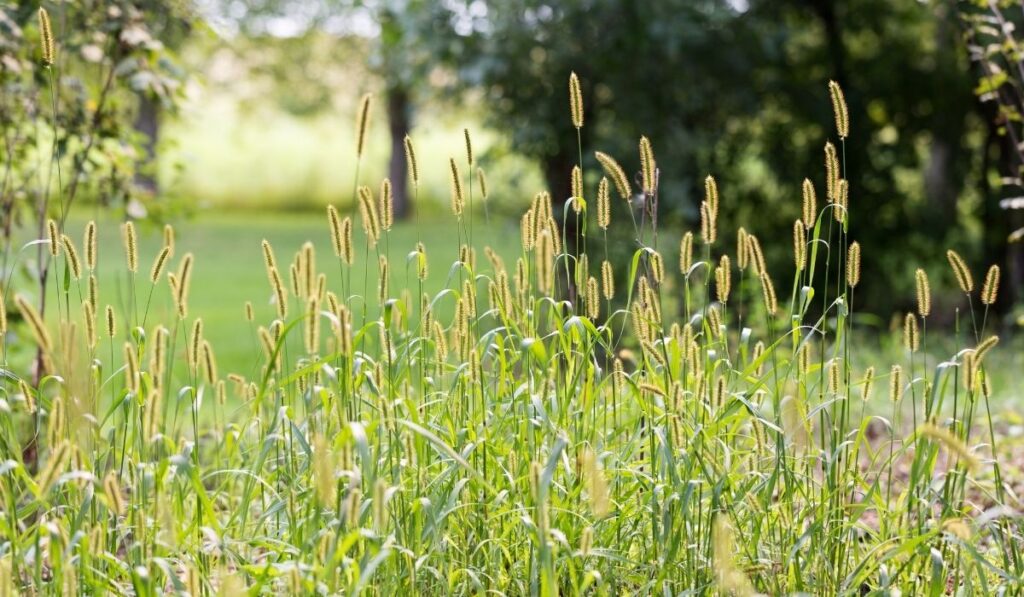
(512, 438)
(228, 270)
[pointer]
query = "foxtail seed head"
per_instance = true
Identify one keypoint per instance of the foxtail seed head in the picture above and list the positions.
(924, 293)
(53, 235)
(799, 245)
(648, 166)
(482, 181)
(158, 264)
(771, 304)
(831, 171)
(895, 383)
(111, 322)
(469, 149)
(410, 161)
(853, 265)
(866, 383)
(839, 110)
(911, 338)
(335, 223)
(46, 38)
(990, 289)
(607, 280)
(708, 223)
(368, 210)
(842, 200)
(711, 194)
(604, 207)
(741, 249)
(169, 238)
(963, 275)
(686, 253)
(810, 204)
(723, 279)
(615, 172)
(575, 101)
(72, 256)
(458, 199)
(131, 246)
(577, 188)
(387, 205)
(90, 245)
(362, 122)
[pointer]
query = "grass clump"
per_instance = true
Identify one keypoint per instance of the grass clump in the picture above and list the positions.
(517, 432)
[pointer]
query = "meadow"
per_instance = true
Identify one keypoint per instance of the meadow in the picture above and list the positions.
(472, 408)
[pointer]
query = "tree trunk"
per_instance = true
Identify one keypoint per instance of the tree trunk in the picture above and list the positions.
(400, 121)
(147, 122)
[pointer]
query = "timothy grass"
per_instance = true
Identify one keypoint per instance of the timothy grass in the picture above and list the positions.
(498, 423)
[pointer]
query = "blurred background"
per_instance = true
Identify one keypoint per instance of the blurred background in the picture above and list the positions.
(200, 111)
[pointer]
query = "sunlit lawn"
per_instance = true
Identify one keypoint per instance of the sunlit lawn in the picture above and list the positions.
(229, 267)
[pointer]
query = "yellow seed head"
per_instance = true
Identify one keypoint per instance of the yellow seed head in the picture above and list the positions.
(755, 254)
(723, 279)
(382, 279)
(799, 245)
(482, 180)
(410, 161)
(867, 382)
(131, 368)
(469, 149)
(648, 167)
(577, 188)
(990, 289)
(158, 264)
(575, 101)
(90, 245)
(711, 194)
(422, 265)
(54, 237)
(657, 266)
(89, 316)
(853, 265)
(312, 328)
(131, 247)
(368, 210)
(742, 253)
(708, 223)
(3, 315)
(604, 206)
(457, 199)
(686, 253)
(839, 110)
(895, 383)
(770, 302)
(593, 298)
(334, 219)
(615, 172)
(963, 275)
(46, 38)
(111, 322)
(607, 280)
(72, 256)
(924, 293)
(842, 200)
(832, 174)
(911, 338)
(184, 285)
(362, 122)
(169, 238)
(545, 262)
(985, 346)
(387, 205)
(94, 291)
(810, 204)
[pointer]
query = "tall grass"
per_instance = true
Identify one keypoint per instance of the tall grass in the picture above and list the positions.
(544, 440)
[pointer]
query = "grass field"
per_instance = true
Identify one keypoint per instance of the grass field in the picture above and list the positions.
(229, 266)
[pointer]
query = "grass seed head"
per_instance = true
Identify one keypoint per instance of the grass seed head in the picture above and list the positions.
(810, 204)
(46, 43)
(575, 101)
(839, 110)
(924, 293)
(648, 167)
(362, 122)
(616, 174)
(853, 265)
(960, 271)
(990, 289)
